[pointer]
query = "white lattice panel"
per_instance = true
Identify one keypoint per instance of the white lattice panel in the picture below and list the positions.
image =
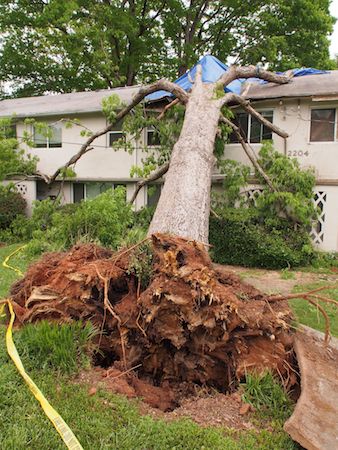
(252, 195)
(22, 188)
(317, 232)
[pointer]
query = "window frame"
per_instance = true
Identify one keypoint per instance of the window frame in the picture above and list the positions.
(47, 139)
(248, 140)
(335, 129)
(113, 184)
(150, 130)
(151, 185)
(117, 129)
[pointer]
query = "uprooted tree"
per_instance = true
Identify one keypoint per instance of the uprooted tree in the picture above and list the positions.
(169, 313)
(167, 319)
(184, 205)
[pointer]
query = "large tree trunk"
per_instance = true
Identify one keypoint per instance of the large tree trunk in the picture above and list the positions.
(184, 205)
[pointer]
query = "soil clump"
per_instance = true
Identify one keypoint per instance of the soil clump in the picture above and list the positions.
(188, 325)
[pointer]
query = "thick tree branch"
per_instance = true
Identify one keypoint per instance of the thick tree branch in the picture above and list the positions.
(249, 153)
(236, 72)
(139, 96)
(158, 173)
(234, 98)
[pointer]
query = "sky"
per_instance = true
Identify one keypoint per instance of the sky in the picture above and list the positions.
(334, 36)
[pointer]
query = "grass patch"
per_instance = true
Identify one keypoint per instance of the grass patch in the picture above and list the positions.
(49, 346)
(287, 274)
(105, 420)
(309, 315)
(267, 396)
(50, 353)
(21, 261)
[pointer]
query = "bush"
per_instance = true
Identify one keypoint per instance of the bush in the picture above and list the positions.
(12, 205)
(239, 238)
(104, 220)
(271, 231)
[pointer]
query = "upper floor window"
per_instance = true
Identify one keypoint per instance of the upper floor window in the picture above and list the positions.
(153, 137)
(322, 125)
(116, 133)
(49, 138)
(8, 131)
(251, 128)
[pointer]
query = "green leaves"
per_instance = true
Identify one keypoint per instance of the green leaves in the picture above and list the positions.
(272, 229)
(110, 107)
(13, 160)
(59, 46)
(294, 189)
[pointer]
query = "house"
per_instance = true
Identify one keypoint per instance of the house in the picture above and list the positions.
(306, 109)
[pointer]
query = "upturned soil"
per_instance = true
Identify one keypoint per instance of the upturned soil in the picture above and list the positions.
(189, 326)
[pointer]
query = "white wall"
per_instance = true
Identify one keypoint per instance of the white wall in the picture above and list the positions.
(27, 188)
(293, 116)
(100, 163)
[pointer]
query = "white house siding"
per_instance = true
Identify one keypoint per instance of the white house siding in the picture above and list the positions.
(27, 188)
(105, 164)
(294, 116)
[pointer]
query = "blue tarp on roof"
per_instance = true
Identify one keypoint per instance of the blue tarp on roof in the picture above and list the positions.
(212, 70)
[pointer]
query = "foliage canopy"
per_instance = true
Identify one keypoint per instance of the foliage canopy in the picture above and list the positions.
(59, 46)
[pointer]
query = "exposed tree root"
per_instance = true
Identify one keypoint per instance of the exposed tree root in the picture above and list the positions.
(312, 298)
(190, 324)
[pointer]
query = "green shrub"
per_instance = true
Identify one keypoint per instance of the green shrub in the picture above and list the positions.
(12, 205)
(104, 220)
(271, 231)
(239, 238)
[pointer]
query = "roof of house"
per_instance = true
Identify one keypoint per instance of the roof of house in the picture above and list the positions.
(306, 85)
(325, 84)
(60, 104)
(305, 82)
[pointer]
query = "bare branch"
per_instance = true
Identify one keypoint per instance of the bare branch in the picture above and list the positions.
(158, 173)
(234, 98)
(139, 96)
(165, 109)
(249, 153)
(236, 72)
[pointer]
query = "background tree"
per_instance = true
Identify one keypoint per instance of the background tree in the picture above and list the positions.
(58, 46)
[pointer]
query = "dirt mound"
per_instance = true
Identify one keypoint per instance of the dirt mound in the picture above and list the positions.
(189, 324)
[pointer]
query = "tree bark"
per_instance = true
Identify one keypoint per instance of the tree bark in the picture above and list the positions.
(184, 205)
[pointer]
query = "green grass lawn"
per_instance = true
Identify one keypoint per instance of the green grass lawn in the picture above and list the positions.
(20, 261)
(310, 315)
(104, 420)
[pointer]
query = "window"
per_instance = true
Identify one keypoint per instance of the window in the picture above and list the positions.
(152, 137)
(8, 131)
(116, 134)
(87, 191)
(51, 138)
(322, 125)
(95, 189)
(153, 194)
(251, 128)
